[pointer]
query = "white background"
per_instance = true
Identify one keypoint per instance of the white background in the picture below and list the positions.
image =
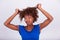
(7, 8)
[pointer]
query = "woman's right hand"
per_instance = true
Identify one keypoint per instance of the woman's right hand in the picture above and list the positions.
(17, 10)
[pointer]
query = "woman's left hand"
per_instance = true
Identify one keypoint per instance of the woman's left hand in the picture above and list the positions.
(39, 6)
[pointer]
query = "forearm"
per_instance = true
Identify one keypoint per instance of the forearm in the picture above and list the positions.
(46, 13)
(10, 18)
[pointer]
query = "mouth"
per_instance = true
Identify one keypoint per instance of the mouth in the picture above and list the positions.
(28, 23)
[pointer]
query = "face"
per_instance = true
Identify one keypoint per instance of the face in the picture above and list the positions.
(28, 19)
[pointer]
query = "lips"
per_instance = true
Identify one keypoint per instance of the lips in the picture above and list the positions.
(28, 22)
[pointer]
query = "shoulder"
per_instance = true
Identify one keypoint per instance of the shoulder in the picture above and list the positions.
(37, 25)
(20, 27)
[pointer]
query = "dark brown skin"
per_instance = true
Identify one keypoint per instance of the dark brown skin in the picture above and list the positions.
(29, 20)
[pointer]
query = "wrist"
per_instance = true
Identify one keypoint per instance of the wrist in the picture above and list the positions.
(16, 13)
(40, 8)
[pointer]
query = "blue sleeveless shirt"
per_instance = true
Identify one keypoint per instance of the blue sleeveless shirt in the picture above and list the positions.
(29, 35)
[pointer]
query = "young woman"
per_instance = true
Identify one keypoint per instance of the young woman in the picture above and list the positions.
(29, 32)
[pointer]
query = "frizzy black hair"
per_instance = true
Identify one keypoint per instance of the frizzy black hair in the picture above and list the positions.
(29, 11)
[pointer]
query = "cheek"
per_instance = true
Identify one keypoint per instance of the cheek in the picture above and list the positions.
(31, 20)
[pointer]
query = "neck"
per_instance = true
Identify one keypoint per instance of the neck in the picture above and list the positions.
(29, 27)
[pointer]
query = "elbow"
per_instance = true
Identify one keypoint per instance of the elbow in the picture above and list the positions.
(51, 19)
(5, 23)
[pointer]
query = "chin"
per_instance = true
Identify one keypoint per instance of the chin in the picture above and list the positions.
(29, 24)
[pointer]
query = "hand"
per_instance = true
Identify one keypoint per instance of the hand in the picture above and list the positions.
(17, 10)
(39, 6)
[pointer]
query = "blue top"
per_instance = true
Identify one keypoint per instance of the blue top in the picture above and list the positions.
(29, 35)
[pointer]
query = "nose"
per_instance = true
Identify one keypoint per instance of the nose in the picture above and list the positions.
(27, 19)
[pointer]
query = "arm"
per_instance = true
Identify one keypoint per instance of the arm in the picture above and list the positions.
(8, 21)
(49, 17)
